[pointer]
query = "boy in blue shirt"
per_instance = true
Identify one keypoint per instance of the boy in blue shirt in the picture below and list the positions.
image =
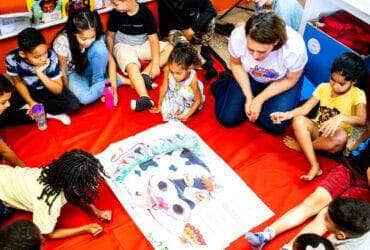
(36, 75)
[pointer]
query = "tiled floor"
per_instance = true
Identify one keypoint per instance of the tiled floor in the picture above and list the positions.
(219, 42)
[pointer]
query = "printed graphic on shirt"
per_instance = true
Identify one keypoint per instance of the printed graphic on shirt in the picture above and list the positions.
(325, 114)
(264, 74)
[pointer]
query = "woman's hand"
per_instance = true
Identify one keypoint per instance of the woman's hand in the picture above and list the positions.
(255, 109)
(247, 107)
(329, 127)
(278, 117)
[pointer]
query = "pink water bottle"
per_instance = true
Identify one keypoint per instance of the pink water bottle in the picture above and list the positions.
(109, 94)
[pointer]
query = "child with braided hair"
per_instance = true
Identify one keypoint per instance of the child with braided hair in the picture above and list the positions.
(74, 177)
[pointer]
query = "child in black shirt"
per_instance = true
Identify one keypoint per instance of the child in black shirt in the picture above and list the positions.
(132, 36)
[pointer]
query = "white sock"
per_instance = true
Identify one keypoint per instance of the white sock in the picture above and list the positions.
(133, 104)
(154, 85)
(64, 118)
(269, 233)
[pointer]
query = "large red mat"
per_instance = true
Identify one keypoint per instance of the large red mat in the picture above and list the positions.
(260, 159)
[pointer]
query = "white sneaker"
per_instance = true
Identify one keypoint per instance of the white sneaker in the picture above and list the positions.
(25, 107)
(64, 118)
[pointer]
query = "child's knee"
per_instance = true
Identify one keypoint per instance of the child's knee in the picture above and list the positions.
(299, 122)
(339, 140)
(133, 69)
(99, 48)
(318, 200)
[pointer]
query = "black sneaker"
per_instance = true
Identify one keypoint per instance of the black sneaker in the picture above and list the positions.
(175, 37)
(149, 84)
(224, 29)
(143, 103)
(211, 72)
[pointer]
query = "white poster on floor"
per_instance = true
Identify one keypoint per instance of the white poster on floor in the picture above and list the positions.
(178, 191)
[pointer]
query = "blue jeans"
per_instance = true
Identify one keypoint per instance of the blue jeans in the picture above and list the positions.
(89, 86)
(290, 11)
(230, 100)
(5, 212)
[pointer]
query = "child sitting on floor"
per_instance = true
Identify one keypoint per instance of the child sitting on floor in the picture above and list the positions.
(6, 89)
(74, 177)
(35, 72)
(347, 219)
(132, 36)
(181, 93)
(342, 106)
(84, 58)
(20, 235)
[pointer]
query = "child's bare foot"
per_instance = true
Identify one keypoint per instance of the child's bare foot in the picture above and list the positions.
(311, 174)
(291, 143)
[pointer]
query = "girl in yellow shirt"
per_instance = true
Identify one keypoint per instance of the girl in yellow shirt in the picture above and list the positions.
(341, 106)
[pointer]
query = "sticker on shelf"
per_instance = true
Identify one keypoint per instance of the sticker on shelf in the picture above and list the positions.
(313, 46)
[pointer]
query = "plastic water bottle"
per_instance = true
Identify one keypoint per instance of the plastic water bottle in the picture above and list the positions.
(109, 95)
(39, 113)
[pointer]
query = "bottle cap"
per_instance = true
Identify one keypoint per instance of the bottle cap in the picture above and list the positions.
(38, 108)
(108, 83)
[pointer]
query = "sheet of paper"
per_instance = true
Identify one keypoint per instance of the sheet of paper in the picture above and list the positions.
(179, 192)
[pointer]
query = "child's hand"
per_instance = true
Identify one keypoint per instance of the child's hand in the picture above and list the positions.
(329, 127)
(93, 229)
(40, 69)
(104, 215)
(182, 117)
(155, 109)
(278, 117)
(115, 97)
(29, 112)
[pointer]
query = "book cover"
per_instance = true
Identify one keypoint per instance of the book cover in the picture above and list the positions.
(45, 11)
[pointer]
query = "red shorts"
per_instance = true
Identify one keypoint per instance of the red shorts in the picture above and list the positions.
(346, 182)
